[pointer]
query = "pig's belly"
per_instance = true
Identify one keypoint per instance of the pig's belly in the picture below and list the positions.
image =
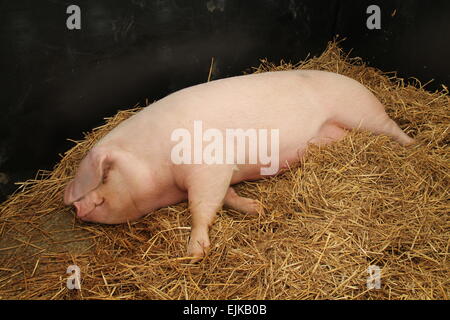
(251, 172)
(292, 150)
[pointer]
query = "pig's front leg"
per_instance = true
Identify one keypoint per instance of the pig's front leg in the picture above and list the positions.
(207, 186)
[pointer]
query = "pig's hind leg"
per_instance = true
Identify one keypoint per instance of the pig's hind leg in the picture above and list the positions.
(245, 205)
(365, 112)
(207, 187)
(329, 132)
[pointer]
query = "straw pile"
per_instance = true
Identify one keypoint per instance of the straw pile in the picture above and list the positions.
(361, 202)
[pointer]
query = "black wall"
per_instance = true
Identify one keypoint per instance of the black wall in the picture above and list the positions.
(58, 83)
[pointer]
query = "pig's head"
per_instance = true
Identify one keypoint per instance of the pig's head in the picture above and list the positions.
(102, 190)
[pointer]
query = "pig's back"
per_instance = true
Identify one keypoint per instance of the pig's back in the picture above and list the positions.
(260, 100)
(295, 102)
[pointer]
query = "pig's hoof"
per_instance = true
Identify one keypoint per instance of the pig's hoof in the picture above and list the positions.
(198, 248)
(244, 205)
(251, 206)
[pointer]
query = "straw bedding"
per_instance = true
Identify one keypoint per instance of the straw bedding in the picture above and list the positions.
(360, 202)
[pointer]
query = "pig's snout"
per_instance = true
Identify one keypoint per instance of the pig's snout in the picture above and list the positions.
(85, 206)
(82, 210)
(77, 206)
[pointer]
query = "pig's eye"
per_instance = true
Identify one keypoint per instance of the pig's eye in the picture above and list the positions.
(104, 179)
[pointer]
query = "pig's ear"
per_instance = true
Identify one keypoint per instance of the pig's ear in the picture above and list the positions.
(93, 168)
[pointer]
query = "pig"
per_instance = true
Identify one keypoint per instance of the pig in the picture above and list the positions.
(130, 172)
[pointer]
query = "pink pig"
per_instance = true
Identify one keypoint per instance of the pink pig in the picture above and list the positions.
(130, 172)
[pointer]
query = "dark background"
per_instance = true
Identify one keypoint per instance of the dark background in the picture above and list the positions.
(56, 83)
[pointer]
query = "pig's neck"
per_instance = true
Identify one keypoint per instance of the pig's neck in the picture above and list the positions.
(162, 191)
